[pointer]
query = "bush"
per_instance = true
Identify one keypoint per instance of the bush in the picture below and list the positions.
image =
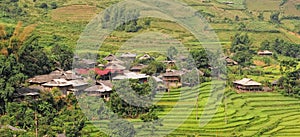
(43, 6)
(53, 5)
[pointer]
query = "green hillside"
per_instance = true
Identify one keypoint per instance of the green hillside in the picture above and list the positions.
(60, 23)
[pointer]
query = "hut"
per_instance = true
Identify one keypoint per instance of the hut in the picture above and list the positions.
(247, 84)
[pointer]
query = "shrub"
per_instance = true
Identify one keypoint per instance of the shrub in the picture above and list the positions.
(43, 6)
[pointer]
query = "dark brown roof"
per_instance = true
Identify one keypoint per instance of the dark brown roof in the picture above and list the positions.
(27, 91)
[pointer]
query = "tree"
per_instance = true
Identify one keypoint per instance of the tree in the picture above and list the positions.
(35, 60)
(274, 17)
(260, 16)
(11, 43)
(131, 98)
(151, 121)
(154, 67)
(62, 56)
(10, 79)
(265, 45)
(200, 57)
(241, 48)
(172, 52)
(44, 6)
(237, 18)
(121, 128)
(53, 5)
(240, 39)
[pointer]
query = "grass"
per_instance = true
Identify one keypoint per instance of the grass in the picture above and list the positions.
(259, 5)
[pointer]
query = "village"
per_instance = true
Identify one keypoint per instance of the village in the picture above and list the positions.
(76, 81)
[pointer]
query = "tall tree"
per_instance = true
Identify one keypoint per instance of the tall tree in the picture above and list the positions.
(10, 79)
(35, 60)
(62, 56)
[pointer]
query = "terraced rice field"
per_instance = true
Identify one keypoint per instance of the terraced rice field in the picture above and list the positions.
(246, 114)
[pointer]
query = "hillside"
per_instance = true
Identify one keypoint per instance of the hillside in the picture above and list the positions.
(49, 32)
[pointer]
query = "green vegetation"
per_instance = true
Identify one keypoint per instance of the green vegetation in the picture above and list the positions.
(38, 36)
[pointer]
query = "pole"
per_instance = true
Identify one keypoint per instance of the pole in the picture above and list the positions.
(36, 124)
(197, 107)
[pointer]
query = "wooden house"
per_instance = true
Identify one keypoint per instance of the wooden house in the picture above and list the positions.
(138, 68)
(100, 90)
(247, 84)
(172, 78)
(169, 64)
(62, 84)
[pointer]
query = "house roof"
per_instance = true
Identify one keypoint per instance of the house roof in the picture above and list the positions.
(101, 72)
(114, 66)
(169, 61)
(56, 74)
(110, 57)
(173, 73)
(57, 83)
(130, 75)
(40, 79)
(229, 60)
(77, 83)
(138, 67)
(106, 82)
(98, 88)
(247, 82)
(265, 52)
(27, 91)
(128, 55)
(144, 57)
(157, 79)
(117, 61)
(12, 128)
(88, 61)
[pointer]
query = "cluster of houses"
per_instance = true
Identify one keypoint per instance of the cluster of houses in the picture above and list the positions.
(117, 69)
